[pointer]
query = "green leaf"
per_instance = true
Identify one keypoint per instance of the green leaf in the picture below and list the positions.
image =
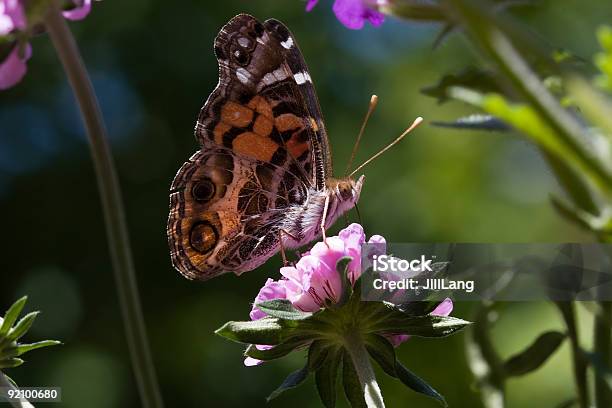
(350, 382)
(384, 354)
(326, 377)
(282, 309)
(423, 326)
(417, 384)
(472, 77)
(293, 380)
(603, 60)
(277, 351)
(475, 122)
(11, 315)
(22, 326)
(535, 355)
(268, 330)
(10, 363)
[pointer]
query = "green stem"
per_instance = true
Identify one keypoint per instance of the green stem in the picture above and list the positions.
(361, 361)
(568, 311)
(484, 30)
(603, 342)
(114, 217)
(8, 384)
(483, 360)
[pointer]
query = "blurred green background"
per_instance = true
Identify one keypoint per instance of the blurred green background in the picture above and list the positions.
(152, 66)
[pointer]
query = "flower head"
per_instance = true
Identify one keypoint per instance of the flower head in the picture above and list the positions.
(12, 16)
(13, 21)
(354, 13)
(317, 305)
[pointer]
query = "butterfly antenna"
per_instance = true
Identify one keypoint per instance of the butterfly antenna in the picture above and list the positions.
(373, 103)
(416, 123)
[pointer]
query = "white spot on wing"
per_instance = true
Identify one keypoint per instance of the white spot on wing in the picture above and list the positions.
(301, 77)
(242, 75)
(280, 73)
(288, 43)
(243, 42)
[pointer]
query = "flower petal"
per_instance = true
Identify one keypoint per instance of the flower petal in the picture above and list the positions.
(79, 12)
(12, 16)
(310, 5)
(443, 309)
(354, 13)
(14, 67)
(271, 290)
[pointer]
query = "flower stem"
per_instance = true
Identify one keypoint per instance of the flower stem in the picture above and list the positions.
(603, 343)
(568, 311)
(8, 384)
(114, 217)
(361, 361)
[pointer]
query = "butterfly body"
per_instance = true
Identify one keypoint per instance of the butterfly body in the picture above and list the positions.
(263, 175)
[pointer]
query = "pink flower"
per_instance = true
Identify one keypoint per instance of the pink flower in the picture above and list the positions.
(443, 309)
(80, 11)
(13, 68)
(12, 16)
(354, 13)
(314, 281)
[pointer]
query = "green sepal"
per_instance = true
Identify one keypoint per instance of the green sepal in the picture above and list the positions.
(293, 380)
(20, 349)
(10, 363)
(383, 353)
(326, 377)
(317, 353)
(11, 315)
(350, 383)
(417, 384)
(277, 351)
(535, 355)
(22, 326)
(282, 309)
(422, 326)
(269, 330)
(347, 289)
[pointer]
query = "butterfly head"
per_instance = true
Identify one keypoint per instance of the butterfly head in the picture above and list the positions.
(347, 191)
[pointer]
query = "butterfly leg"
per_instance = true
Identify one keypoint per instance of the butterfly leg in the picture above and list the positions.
(323, 219)
(282, 247)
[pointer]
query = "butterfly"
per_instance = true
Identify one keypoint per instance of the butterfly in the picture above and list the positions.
(262, 179)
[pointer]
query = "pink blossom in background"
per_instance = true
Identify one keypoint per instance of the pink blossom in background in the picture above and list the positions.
(13, 18)
(13, 68)
(354, 13)
(80, 11)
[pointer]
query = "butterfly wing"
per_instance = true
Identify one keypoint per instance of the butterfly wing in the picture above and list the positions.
(263, 147)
